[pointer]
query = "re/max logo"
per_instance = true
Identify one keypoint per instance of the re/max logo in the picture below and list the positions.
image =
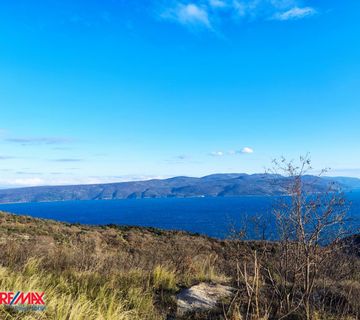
(21, 298)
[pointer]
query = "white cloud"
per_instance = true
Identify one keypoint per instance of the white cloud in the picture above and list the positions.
(188, 14)
(217, 3)
(67, 180)
(240, 8)
(26, 182)
(247, 150)
(39, 140)
(217, 154)
(284, 4)
(68, 160)
(206, 13)
(295, 13)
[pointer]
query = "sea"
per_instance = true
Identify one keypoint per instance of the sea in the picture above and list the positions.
(219, 217)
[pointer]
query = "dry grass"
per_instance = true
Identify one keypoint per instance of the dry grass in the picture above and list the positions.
(99, 273)
(76, 296)
(120, 273)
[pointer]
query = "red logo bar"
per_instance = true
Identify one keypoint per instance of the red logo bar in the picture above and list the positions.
(22, 298)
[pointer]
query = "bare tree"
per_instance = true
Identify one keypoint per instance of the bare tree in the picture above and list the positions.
(283, 278)
(311, 220)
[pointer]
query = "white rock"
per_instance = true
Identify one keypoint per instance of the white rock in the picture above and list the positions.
(202, 297)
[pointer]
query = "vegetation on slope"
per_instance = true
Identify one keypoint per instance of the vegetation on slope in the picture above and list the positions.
(134, 273)
(101, 272)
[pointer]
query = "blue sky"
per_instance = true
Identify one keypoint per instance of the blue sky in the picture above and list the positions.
(111, 90)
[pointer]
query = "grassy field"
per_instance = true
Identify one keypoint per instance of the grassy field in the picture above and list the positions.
(134, 273)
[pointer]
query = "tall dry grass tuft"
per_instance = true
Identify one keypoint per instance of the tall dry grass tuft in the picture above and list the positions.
(164, 279)
(77, 296)
(203, 268)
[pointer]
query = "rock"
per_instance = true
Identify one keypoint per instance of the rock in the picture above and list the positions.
(202, 297)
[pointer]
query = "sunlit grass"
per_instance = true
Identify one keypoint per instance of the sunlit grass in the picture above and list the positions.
(76, 296)
(164, 279)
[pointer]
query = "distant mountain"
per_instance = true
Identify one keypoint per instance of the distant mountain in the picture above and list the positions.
(216, 185)
(350, 183)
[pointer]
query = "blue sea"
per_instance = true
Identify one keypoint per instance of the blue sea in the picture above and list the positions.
(209, 216)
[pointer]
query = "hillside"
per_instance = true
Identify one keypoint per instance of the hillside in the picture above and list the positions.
(132, 273)
(217, 185)
(110, 272)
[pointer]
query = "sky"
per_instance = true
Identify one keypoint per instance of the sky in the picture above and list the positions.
(102, 91)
